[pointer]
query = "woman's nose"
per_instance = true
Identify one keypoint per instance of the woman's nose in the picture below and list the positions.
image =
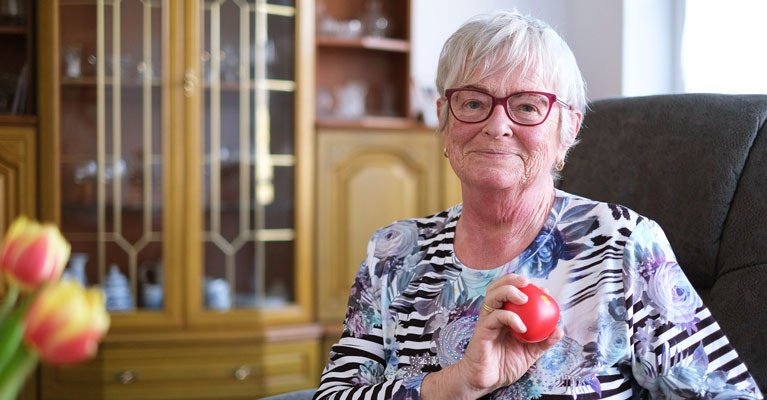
(498, 124)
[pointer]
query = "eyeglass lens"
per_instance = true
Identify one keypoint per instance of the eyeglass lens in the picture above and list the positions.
(523, 108)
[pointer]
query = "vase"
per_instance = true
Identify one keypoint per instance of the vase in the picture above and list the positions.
(76, 268)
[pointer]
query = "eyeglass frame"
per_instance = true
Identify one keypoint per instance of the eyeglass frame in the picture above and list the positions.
(504, 101)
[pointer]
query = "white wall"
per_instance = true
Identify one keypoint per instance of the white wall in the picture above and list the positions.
(433, 21)
(595, 36)
(652, 38)
(596, 31)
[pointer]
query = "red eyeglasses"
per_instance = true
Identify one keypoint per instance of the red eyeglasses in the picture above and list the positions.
(525, 108)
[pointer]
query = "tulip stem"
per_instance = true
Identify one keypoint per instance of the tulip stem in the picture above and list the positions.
(12, 332)
(9, 301)
(13, 377)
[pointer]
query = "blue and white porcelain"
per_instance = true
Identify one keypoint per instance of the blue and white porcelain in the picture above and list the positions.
(76, 269)
(152, 296)
(217, 294)
(117, 291)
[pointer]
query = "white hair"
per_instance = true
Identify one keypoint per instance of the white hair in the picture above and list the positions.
(510, 41)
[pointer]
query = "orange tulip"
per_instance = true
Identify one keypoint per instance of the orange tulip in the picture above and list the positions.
(65, 323)
(33, 254)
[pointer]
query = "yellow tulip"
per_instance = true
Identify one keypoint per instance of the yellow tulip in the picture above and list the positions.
(65, 323)
(33, 254)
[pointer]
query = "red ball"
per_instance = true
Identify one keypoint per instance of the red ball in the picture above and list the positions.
(540, 314)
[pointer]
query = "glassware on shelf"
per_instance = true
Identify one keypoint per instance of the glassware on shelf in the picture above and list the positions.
(12, 12)
(350, 99)
(326, 24)
(88, 171)
(72, 56)
(145, 68)
(329, 26)
(324, 102)
(230, 63)
(351, 28)
(91, 67)
(374, 21)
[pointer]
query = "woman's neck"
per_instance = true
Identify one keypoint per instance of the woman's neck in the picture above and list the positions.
(496, 226)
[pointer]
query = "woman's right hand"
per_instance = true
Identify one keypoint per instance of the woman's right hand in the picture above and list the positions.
(494, 358)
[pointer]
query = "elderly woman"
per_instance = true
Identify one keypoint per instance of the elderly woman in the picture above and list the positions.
(425, 316)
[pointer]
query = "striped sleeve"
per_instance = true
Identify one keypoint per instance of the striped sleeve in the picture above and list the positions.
(358, 362)
(678, 349)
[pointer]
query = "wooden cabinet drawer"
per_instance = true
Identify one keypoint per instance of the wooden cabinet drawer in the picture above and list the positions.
(188, 372)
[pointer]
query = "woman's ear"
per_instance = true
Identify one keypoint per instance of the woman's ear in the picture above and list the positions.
(576, 117)
(440, 103)
(573, 119)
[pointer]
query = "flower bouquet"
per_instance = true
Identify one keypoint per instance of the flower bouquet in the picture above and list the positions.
(41, 317)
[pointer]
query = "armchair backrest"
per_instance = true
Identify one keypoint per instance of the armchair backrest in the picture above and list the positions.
(697, 164)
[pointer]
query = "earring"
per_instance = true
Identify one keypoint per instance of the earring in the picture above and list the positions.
(560, 166)
(444, 151)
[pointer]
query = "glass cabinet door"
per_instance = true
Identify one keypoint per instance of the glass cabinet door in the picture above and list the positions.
(248, 154)
(184, 157)
(112, 152)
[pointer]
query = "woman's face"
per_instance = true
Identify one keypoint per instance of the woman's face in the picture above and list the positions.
(498, 153)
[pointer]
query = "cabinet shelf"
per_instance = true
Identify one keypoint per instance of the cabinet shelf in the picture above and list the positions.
(371, 43)
(90, 81)
(275, 85)
(370, 121)
(126, 207)
(13, 30)
(21, 119)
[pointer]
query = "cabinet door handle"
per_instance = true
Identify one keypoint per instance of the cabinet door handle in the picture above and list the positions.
(190, 83)
(242, 372)
(126, 377)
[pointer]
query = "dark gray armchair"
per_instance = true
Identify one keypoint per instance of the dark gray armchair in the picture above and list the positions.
(697, 164)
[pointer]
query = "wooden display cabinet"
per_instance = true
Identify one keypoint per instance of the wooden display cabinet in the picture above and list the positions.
(176, 152)
(17, 71)
(376, 163)
(363, 71)
(17, 173)
(368, 178)
(18, 122)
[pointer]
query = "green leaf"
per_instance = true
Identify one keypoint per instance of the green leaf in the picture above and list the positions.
(15, 373)
(11, 333)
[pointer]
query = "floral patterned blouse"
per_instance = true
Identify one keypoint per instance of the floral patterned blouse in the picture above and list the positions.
(634, 326)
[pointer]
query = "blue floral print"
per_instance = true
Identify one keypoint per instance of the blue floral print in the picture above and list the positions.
(633, 324)
(687, 377)
(663, 284)
(370, 373)
(552, 244)
(671, 294)
(396, 240)
(542, 257)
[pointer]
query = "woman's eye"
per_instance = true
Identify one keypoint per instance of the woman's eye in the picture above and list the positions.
(473, 104)
(527, 108)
